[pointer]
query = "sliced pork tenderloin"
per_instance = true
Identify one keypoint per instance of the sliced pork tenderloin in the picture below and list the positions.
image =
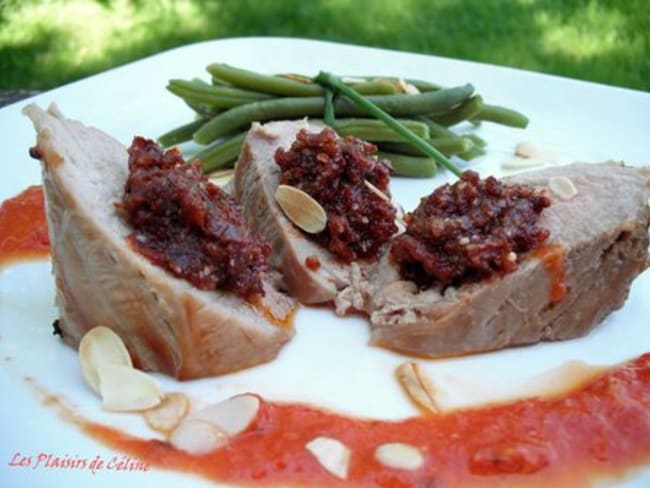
(256, 180)
(598, 244)
(167, 324)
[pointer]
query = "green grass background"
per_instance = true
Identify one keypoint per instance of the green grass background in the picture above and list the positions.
(45, 44)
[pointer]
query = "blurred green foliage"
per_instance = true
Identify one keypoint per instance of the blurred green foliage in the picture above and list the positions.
(47, 43)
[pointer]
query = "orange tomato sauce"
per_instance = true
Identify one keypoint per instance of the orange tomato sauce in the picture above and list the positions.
(23, 227)
(553, 259)
(597, 430)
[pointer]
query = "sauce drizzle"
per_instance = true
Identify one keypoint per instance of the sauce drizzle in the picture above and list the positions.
(23, 227)
(599, 429)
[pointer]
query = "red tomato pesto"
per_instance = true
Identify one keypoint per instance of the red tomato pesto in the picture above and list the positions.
(23, 228)
(598, 430)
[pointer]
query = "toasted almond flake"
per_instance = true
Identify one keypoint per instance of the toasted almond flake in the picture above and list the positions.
(233, 415)
(221, 178)
(399, 455)
(332, 454)
(98, 347)
(548, 155)
(517, 163)
(376, 191)
(198, 436)
(165, 416)
(527, 149)
(407, 88)
(124, 389)
(563, 187)
(301, 209)
(417, 385)
(399, 216)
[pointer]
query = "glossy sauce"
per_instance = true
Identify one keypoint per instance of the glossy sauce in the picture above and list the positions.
(597, 430)
(23, 227)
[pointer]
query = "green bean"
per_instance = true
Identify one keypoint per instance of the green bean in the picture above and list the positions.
(180, 134)
(424, 86)
(376, 87)
(251, 80)
(466, 110)
(364, 103)
(435, 129)
(477, 140)
(446, 145)
(365, 85)
(287, 85)
(375, 130)
(473, 153)
(203, 109)
(219, 82)
(502, 115)
(220, 153)
(421, 85)
(283, 108)
(411, 166)
(223, 90)
(217, 96)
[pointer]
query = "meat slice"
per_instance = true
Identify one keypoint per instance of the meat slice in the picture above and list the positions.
(598, 244)
(166, 323)
(257, 177)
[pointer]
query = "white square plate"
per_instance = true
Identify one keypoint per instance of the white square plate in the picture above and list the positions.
(328, 363)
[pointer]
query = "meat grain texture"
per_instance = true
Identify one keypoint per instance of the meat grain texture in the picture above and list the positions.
(166, 324)
(601, 232)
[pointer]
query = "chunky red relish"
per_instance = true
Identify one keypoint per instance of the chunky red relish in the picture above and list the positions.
(332, 170)
(469, 231)
(189, 226)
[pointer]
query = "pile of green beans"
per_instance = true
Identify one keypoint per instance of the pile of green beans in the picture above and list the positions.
(226, 107)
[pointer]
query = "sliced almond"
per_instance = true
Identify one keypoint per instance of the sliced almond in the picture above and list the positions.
(517, 163)
(417, 386)
(399, 455)
(407, 88)
(332, 454)
(548, 155)
(221, 178)
(563, 187)
(376, 191)
(232, 416)
(197, 436)
(165, 416)
(301, 209)
(124, 389)
(98, 347)
(399, 216)
(527, 149)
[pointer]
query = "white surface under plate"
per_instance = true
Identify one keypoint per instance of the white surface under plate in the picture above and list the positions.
(328, 363)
